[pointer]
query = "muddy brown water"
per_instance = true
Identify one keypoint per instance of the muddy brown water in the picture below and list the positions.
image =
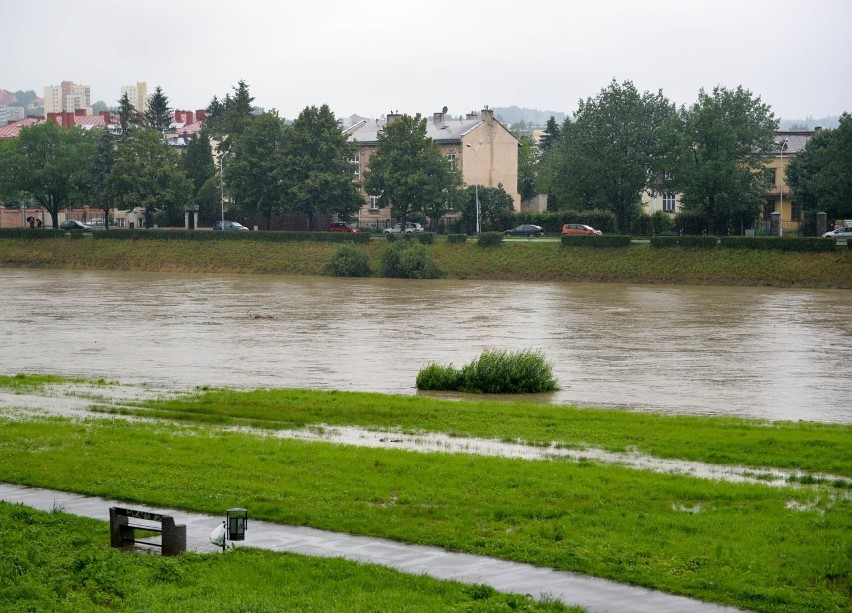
(750, 352)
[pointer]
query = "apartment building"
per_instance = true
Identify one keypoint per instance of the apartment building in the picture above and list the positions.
(137, 94)
(68, 96)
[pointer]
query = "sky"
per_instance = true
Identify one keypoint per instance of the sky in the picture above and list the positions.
(376, 56)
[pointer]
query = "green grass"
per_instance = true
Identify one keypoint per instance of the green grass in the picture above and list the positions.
(27, 382)
(806, 446)
(763, 548)
(493, 372)
(523, 260)
(63, 563)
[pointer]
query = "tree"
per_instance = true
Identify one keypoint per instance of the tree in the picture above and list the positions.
(721, 148)
(527, 168)
(612, 152)
(551, 135)
(158, 113)
(197, 164)
(819, 176)
(407, 171)
(317, 167)
(102, 163)
(146, 174)
(496, 209)
(254, 170)
(230, 118)
(50, 164)
(127, 115)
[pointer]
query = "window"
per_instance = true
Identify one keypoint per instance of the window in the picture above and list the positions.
(451, 160)
(374, 203)
(356, 162)
(669, 203)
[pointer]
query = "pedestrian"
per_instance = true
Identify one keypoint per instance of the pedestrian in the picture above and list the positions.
(31, 221)
(39, 224)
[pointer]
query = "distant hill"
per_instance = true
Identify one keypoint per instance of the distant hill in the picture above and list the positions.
(810, 123)
(20, 98)
(534, 117)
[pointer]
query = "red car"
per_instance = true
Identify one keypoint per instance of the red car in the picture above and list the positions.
(340, 226)
(579, 228)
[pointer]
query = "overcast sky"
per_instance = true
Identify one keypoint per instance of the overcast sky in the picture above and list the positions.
(374, 56)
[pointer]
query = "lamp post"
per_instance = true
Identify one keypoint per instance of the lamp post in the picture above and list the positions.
(476, 179)
(222, 183)
(782, 147)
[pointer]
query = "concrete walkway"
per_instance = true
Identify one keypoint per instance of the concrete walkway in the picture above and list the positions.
(597, 595)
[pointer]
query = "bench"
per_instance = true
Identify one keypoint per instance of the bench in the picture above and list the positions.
(123, 524)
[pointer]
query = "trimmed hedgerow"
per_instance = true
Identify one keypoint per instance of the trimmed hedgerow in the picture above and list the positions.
(688, 242)
(490, 239)
(593, 240)
(777, 243)
(493, 372)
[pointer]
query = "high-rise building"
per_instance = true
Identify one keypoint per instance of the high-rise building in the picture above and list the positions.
(137, 94)
(67, 97)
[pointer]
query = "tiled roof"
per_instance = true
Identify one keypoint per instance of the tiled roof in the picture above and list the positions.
(190, 129)
(13, 129)
(796, 141)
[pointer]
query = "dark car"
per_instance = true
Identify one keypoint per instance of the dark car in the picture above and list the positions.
(229, 225)
(525, 230)
(340, 226)
(73, 224)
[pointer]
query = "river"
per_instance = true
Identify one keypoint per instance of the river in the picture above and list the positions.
(765, 353)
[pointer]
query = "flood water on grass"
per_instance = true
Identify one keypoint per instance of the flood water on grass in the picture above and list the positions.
(748, 352)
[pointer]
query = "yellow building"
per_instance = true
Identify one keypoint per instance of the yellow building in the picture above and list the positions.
(777, 195)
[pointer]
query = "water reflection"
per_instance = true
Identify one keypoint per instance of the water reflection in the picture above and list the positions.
(762, 353)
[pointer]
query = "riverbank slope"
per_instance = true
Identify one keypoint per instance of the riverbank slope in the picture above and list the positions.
(516, 261)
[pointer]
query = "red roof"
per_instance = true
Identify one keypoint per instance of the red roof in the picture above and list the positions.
(190, 129)
(13, 129)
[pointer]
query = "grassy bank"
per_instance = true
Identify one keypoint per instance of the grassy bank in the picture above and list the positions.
(63, 563)
(536, 261)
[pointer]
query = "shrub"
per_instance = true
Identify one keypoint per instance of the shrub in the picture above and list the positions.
(777, 243)
(692, 222)
(661, 222)
(493, 372)
(408, 260)
(456, 238)
(490, 239)
(591, 240)
(349, 261)
(642, 225)
(425, 238)
(694, 242)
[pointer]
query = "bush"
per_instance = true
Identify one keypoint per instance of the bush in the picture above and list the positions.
(493, 372)
(692, 222)
(763, 243)
(456, 238)
(693, 242)
(425, 238)
(592, 240)
(490, 239)
(405, 259)
(642, 225)
(349, 261)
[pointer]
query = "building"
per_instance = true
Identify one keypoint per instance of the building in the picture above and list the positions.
(11, 113)
(137, 94)
(67, 97)
(484, 151)
(777, 195)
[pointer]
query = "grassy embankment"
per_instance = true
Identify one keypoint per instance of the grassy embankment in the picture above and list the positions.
(763, 548)
(532, 261)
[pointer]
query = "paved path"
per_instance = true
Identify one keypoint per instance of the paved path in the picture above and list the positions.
(597, 595)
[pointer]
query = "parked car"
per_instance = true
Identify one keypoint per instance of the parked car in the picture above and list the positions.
(97, 222)
(525, 230)
(229, 225)
(73, 224)
(579, 228)
(844, 232)
(340, 226)
(410, 228)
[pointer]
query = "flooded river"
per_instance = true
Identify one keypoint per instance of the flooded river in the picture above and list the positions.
(751, 352)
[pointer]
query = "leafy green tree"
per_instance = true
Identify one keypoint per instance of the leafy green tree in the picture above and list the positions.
(527, 168)
(496, 209)
(230, 118)
(407, 170)
(317, 168)
(147, 174)
(722, 144)
(820, 176)
(102, 163)
(128, 117)
(158, 113)
(197, 163)
(612, 151)
(48, 163)
(254, 167)
(551, 135)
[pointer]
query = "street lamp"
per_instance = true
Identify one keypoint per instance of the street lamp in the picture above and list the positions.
(222, 183)
(782, 147)
(476, 179)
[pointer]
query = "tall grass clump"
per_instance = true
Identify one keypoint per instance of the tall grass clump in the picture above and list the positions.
(348, 261)
(404, 259)
(493, 372)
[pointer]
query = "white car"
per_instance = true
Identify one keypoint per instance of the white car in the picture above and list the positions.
(410, 228)
(844, 232)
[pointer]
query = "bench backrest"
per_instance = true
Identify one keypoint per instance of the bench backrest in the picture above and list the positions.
(140, 514)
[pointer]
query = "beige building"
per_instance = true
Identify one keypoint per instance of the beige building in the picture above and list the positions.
(778, 197)
(483, 150)
(137, 94)
(68, 96)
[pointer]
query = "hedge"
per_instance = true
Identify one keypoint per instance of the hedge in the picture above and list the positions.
(689, 242)
(490, 239)
(191, 235)
(456, 238)
(592, 240)
(777, 243)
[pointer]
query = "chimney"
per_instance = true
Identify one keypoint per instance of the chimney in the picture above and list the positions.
(487, 115)
(392, 117)
(68, 119)
(178, 116)
(472, 115)
(437, 118)
(79, 112)
(53, 117)
(189, 118)
(818, 129)
(107, 117)
(200, 115)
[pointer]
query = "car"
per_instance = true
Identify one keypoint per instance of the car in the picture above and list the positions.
(229, 225)
(97, 222)
(526, 229)
(410, 228)
(844, 232)
(579, 229)
(340, 226)
(73, 224)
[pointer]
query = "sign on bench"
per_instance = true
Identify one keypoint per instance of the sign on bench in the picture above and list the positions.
(123, 524)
